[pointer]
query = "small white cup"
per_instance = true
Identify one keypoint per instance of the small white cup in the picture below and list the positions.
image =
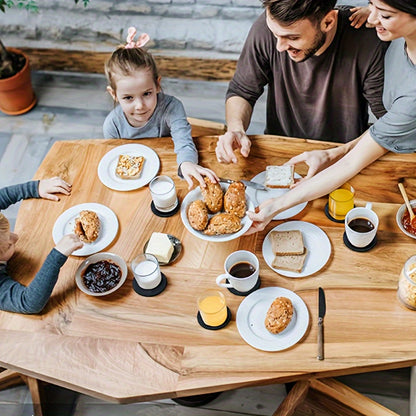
(146, 271)
(361, 233)
(163, 193)
(241, 270)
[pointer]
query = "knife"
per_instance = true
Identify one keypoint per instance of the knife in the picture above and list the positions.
(321, 315)
(246, 183)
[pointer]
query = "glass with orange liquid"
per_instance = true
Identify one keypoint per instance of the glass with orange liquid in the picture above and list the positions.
(341, 201)
(212, 308)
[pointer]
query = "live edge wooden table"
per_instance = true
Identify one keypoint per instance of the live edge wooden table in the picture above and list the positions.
(126, 348)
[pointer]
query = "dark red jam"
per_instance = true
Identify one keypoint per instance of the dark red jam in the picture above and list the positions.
(101, 276)
(407, 223)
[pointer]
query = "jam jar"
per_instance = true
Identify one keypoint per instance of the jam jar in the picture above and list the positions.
(407, 283)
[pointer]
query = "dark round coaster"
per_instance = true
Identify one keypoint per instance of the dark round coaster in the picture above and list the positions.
(197, 400)
(214, 328)
(330, 216)
(361, 249)
(238, 293)
(151, 292)
(164, 214)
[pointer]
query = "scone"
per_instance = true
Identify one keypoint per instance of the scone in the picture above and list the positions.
(129, 167)
(87, 226)
(197, 214)
(223, 223)
(213, 196)
(279, 315)
(235, 199)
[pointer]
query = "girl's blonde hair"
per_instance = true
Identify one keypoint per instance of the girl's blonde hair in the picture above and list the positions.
(4, 233)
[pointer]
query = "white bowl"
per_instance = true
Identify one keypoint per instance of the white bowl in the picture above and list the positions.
(400, 212)
(113, 258)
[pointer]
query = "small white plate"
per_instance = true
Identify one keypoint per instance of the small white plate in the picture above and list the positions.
(108, 227)
(252, 312)
(258, 196)
(177, 248)
(314, 239)
(108, 163)
(196, 194)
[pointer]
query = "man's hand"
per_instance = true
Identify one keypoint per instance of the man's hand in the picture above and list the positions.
(49, 187)
(229, 142)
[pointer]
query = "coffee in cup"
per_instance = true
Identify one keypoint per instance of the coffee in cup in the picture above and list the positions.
(361, 225)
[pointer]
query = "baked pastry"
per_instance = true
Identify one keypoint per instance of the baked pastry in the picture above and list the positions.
(279, 176)
(213, 196)
(223, 223)
(290, 263)
(235, 199)
(279, 315)
(87, 226)
(129, 167)
(197, 214)
(287, 243)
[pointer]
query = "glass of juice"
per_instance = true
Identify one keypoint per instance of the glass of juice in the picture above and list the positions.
(212, 308)
(341, 201)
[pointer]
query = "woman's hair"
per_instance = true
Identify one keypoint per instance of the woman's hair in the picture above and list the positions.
(407, 6)
(4, 233)
(290, 11)
(124, 61)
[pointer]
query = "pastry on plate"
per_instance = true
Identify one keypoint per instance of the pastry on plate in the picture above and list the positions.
(129, 167)
(223, 223)
(87, 226)
(235, 199)
(279, 315)
(213, 196)
(197, 214)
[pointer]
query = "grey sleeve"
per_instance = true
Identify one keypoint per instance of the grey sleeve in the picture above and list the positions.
(12, 194)
(15, 297)
(110, 130)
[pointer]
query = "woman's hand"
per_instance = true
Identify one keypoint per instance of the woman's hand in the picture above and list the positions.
(49, 187)
(263, 214)
(192, 170)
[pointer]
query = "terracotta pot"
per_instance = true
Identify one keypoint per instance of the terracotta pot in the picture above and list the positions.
(16, 93)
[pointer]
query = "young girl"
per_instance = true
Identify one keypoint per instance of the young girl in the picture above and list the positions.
(144, 110)
(15, 297)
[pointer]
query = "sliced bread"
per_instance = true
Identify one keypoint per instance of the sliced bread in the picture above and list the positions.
(287, 243)
(290, 263)
(279, 176)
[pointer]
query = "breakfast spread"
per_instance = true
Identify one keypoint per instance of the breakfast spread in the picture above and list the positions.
(160, 246)
(102, 276)
(279, 315)
(235, 199)
(129, 167)
(279, 176)
(289, 250)
(87, 226)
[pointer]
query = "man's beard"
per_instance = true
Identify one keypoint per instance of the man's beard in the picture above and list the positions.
(319, 41)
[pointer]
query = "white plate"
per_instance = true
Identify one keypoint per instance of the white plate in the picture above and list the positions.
(252, 312)
(108, 227)
(107, 167)
(259, 196)
(196, 194)
(314, 239)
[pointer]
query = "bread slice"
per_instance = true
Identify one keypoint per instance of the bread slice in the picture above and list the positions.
(279, 176)
(290, 263)
(287, 243)
(129, 167)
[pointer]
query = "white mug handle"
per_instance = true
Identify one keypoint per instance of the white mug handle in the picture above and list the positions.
(369, 205)
(220, 278)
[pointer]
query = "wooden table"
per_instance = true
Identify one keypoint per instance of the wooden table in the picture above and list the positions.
(126, 348)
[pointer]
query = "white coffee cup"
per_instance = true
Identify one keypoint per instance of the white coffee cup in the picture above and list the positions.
(361, 225)
(241, 270)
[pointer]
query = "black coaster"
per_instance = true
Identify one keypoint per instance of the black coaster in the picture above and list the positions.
(151, 292)
(164, 214)
(238, 293)
(361, 249)
(330, 216)
(214, 328)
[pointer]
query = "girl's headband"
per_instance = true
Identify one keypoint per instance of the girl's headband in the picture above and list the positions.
(141, 41)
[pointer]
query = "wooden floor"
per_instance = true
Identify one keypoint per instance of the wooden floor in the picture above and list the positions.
(73, 106)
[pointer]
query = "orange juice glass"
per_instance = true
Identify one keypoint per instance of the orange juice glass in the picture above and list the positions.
(341, 201)
(212, 307)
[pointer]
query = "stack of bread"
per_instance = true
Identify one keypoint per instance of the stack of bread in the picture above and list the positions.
(289, 250)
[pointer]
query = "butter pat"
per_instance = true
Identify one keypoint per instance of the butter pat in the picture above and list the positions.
(160, 246)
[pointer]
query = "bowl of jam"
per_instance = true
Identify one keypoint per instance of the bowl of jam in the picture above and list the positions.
(101, 274)
(403, 219)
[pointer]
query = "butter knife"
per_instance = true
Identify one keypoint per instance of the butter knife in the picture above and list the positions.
(321, 315)
(254, 185)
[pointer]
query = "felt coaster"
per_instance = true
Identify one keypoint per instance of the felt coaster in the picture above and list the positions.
(360, 249)
(164, 214)
(214, 328)
(238, 293)
(151, 292)
(330, 216)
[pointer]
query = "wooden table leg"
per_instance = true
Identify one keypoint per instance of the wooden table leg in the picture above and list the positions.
(295, 397)
(9, 378)
(36, 390)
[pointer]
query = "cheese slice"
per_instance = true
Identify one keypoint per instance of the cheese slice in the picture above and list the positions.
(160, 246)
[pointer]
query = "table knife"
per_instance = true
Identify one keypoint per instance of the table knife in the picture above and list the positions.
(321, 315)
(247, 183)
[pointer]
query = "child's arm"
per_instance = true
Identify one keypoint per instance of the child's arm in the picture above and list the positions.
(359, 16)
(15, 297)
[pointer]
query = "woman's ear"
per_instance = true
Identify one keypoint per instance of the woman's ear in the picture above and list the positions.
(111, 92)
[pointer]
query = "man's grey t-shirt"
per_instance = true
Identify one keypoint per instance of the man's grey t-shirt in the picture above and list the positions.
(396, 130)
(325, 97)
(168, 119)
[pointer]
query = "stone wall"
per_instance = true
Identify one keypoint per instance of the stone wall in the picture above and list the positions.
(201, 28)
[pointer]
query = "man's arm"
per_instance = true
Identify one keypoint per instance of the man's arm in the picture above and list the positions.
(238, 112)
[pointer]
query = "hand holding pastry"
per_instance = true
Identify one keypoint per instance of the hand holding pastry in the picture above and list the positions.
(49, 187)
(68, 244)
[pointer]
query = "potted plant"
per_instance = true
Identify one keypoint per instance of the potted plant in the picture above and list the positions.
(16, 92)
